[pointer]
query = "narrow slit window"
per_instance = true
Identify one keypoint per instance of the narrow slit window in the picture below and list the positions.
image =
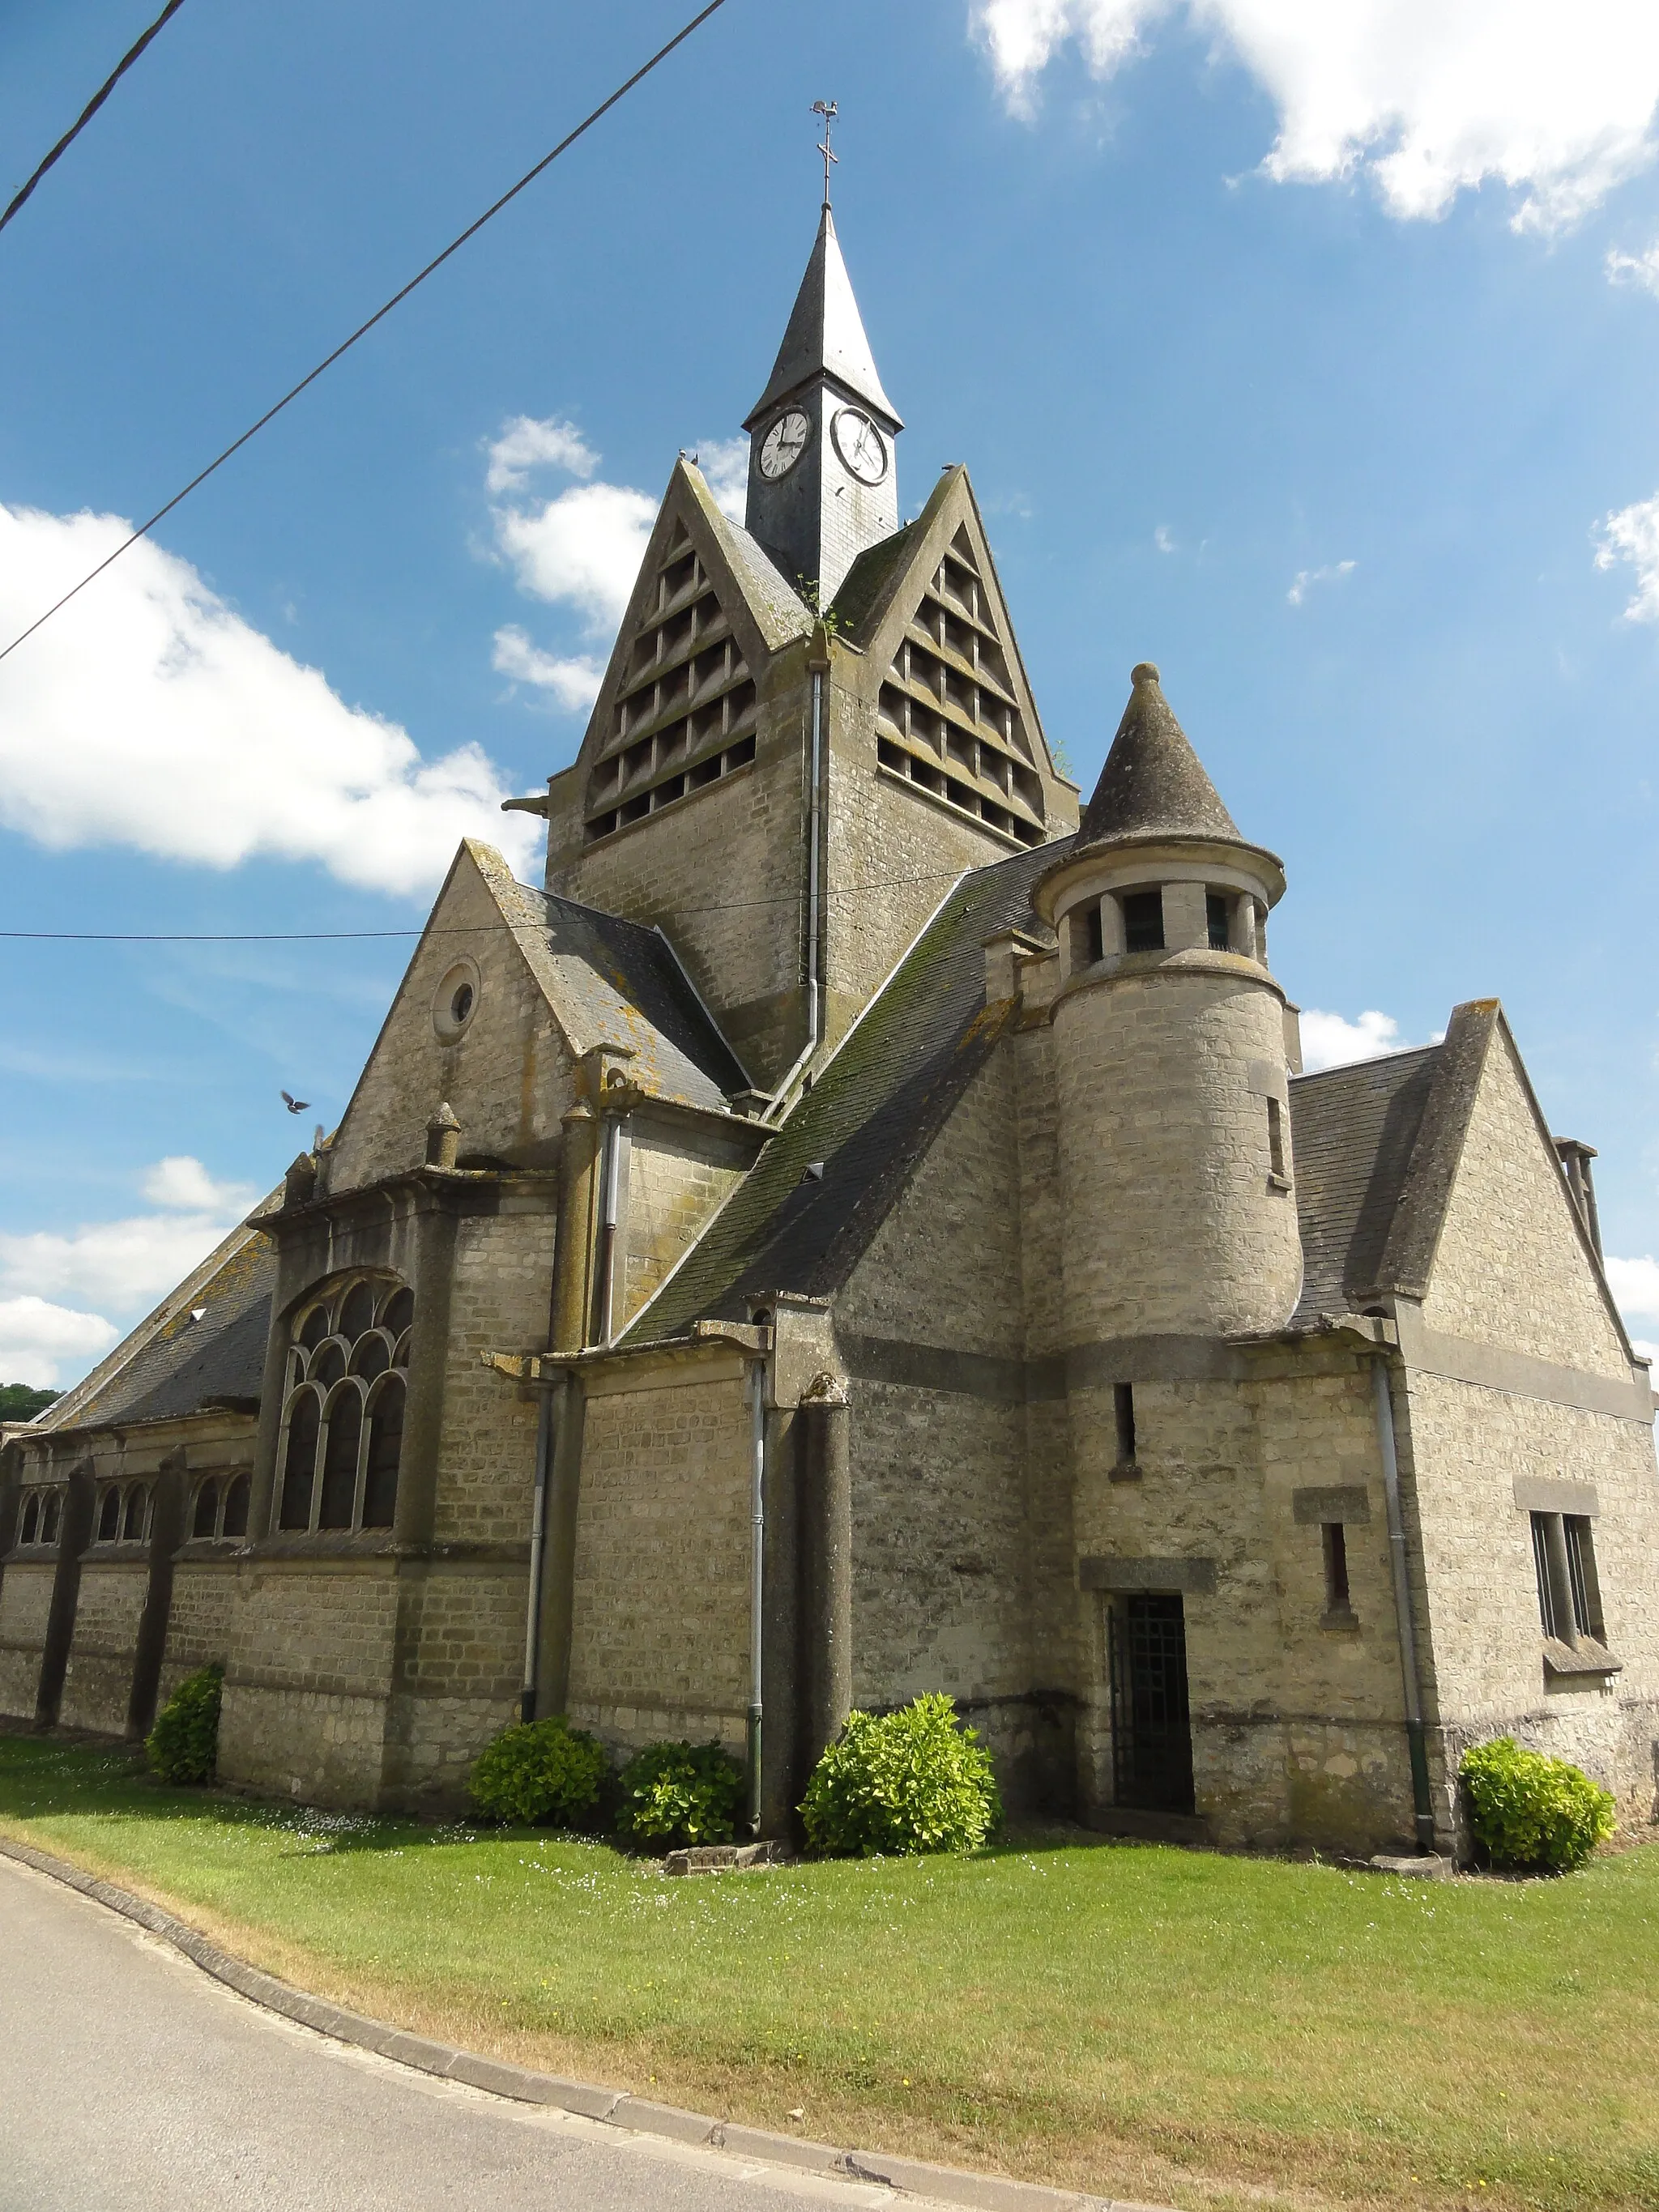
(1276, 1137)
(1218, 916)
(1540, 1564)
(1581, 1575)
(1336, 1567)
(1143, 921)
(1123, 1404)
(1096, 935)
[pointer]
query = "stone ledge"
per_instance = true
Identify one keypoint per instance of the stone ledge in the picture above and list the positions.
(939, 2185)
(726, 1858)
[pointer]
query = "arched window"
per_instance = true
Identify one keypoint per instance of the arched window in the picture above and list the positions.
(236, 1503)
(138, 1513)
(30, 1531)
(385, 1443)
(339, 1466)
(345, 1429)
(299, 1462)
(109, 1515)
(51, 1514)
(206, 1516)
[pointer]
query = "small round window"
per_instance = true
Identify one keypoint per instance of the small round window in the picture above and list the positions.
(455, 1001)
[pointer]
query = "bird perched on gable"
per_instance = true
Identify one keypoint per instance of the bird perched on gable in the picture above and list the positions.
(294, 1105)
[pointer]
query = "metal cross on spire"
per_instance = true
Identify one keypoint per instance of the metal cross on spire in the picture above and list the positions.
(828, 110)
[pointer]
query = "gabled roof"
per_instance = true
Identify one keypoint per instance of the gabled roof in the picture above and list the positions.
(172, 1364)
(867, 1121)
(825, 336)
(1153, 783)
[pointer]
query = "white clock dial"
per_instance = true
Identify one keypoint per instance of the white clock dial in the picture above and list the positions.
(784, 444)
(861, 445)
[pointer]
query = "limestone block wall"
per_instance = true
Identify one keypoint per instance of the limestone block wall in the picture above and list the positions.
(1509, 1268)
(308, 1679)
(660, 1642)
(200, 1616)
(499, 1301)
(25, 1607)
(1467, 1446)
(674, 1185)
(505, 1074)
(462, 1634)
(98, 1681)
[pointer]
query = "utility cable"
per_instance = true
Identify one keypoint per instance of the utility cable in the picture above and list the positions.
(90, 109)
(379, 315)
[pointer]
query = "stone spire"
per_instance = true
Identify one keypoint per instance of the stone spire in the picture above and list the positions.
(825, 338)
(1153, 784)
(822, 481)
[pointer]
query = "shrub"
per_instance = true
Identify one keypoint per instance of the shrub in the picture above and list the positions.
(676, 1794)
(1531, 1812)
(184, 1744)
(902, 1783)
(539, 1771)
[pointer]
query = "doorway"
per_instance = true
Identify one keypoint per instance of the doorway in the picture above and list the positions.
(1152, 1729)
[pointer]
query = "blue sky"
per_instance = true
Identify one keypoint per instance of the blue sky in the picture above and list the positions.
(1308, 352)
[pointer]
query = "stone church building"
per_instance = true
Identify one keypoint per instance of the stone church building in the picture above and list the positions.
(860, 1228)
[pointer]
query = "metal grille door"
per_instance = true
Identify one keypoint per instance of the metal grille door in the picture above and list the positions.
(1152, 1733)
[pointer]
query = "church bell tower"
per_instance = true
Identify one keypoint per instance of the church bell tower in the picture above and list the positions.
(821, 479)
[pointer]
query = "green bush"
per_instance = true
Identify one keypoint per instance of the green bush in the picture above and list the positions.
(1533, 1813)
(540, 1771)
(902, 1783)
(184, 1744)
(678, 1794)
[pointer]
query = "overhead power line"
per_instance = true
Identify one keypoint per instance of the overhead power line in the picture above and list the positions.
(90, 109)
(379, 315)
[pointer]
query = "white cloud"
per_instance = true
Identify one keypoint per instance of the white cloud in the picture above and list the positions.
(148, 715)
(180, 1181)
(724, 465)
(127, 1265)
(525, 444)
(1426, 98)
(1307, 577)
(1641, 269)
(1632, 535)
(1635, 1287)
(1163, 540)
(47, 1345)
(581, 549)
(1330, 1041)
(574, 685)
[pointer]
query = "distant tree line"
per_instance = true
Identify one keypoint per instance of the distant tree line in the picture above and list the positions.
(20, 1403)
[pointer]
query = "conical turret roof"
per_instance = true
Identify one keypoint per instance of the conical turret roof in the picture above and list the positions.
(1153, 783)
(825, 336)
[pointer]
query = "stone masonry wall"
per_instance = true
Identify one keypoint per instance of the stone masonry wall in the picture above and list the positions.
(661, 1646)
(199, 1619)
(306, 1690)
(98, 1682)
(464, 1629)
(25, 1606)
(673, 1188)
(499, 1301)
(1509, 1268)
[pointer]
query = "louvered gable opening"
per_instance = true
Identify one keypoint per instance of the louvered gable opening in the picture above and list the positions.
(685, 717)
(949, 722)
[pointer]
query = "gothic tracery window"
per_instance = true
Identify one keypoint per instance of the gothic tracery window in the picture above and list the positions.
(343, 1416)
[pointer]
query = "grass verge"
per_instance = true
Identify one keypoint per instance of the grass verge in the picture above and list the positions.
(1128, 2019)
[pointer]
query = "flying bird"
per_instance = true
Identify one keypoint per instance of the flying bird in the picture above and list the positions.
(294, 1105)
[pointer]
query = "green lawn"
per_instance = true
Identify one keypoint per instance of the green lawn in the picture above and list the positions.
(1133, 2019)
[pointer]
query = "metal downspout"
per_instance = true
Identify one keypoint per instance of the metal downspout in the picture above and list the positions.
(814, 898)
(608, 1213)
(544, 1432)
(1422, 1803)
(756, 1582)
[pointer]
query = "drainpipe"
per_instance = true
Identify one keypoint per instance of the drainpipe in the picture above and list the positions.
(819, 664)
(538, 1544)
(756, 1580)
(609, 1211)
(1422, 1804)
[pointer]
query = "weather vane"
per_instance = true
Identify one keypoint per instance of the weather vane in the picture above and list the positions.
(827, 109)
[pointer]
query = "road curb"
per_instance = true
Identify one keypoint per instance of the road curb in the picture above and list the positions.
(944, 2185)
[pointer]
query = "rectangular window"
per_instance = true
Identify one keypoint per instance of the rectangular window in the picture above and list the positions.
(1581, 1575)
(1276, 1138)
(1540, 1564)
(1096, 935)
(1143, 921)
(1336, 1566)
(1123, 1404)
(1218, 915)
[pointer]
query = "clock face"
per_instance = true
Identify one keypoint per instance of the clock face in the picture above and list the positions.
(861, 445)
(784, 444)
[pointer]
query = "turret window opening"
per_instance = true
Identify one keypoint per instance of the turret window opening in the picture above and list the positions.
(1334, 1538)
(1143, 921)
(1123, 1407)
(344, 1418)
(1276, 1139)
(1218, 918)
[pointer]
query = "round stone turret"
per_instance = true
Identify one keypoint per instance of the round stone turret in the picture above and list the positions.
(1175, 1137)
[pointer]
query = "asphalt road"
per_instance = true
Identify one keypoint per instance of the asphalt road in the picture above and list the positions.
(128, 2078)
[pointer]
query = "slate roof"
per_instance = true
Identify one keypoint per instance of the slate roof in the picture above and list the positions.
(1153, 783)
(825, 335)
(1352, 1131)
(869, 1119)
(171, 1366)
